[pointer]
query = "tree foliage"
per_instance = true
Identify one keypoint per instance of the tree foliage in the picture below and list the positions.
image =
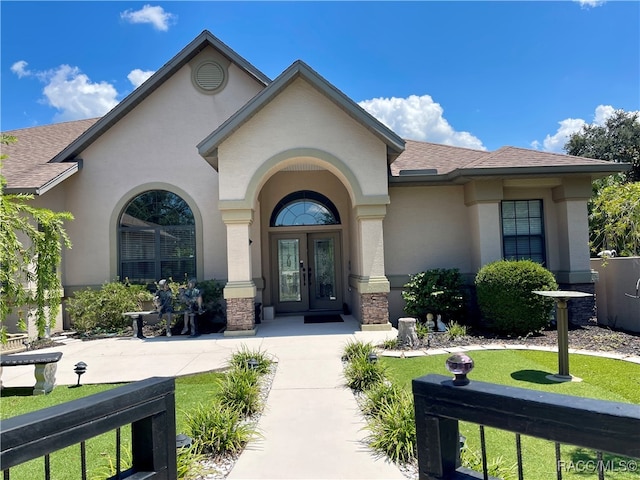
(614, 219)
(618, 140)
(614, 210)
(32, 240)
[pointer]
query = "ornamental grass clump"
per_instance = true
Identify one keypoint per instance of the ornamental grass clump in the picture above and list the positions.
(506, 299)
(242, 359)
(218, 430)
(455, 330)
(379, 395)
(362, 374)
(355, 349)
(240, 391)
(393, 429)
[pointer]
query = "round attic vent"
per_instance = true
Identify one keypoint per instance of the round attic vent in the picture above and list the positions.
(209, 76)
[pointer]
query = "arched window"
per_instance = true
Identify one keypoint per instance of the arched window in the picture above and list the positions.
(157, 238)
(304, 208)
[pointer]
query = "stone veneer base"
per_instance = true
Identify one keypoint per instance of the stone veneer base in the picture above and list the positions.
(374, 308)
(240, 314)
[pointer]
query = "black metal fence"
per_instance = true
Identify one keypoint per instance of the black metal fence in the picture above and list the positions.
(148, 406)
(600, 425)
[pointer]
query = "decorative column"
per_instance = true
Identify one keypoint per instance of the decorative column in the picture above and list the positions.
(574, 265)
(240, 291)
(371, 284)
(483, 200)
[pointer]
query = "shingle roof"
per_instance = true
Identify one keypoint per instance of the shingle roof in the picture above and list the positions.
(27, 168)
(430, 162)
(425, 155)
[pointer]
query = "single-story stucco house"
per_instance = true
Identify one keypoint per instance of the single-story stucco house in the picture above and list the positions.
(290, 194)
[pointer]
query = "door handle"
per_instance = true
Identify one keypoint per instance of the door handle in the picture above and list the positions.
(304, 278)
(309, 273)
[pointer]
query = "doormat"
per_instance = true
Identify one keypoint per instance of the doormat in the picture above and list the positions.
(322, 318)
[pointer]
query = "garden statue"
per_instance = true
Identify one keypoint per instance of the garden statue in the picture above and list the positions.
(192, 298)
(163, 302)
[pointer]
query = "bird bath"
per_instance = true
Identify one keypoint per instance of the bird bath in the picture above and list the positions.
(562, 297)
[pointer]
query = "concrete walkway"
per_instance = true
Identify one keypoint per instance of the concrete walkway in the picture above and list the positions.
(311, 427)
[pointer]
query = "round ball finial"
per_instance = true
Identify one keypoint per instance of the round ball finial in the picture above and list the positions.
(459, 364)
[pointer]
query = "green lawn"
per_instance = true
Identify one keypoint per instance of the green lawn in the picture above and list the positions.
(65, 464)
(603, 378)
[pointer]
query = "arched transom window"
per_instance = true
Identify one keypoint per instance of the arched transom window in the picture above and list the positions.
(157, 238)
(304, 208)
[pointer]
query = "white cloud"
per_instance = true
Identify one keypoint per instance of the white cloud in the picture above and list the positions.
(569, 126)
(603, 113)
(419, 118)
(590, 3)
(156, 16)
(20, 69)
(556, 142)
(75, 97)
(137, 77)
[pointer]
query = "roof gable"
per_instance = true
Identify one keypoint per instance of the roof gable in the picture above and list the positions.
(202, 41)
(209, 146)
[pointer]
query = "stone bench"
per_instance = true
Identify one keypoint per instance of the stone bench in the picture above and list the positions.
(45, 368)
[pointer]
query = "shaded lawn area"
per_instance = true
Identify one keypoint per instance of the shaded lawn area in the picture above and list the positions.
(603, 378)
(65, 464)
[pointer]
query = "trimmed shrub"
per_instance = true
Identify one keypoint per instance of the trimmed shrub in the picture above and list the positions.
(436, 291)
(211, 291)
(101, 310)
(505, 297)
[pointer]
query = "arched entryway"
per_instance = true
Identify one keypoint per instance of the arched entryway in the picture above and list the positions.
(305, 250)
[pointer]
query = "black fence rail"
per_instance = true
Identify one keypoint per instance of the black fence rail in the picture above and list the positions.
(599, 425)
(148, 406)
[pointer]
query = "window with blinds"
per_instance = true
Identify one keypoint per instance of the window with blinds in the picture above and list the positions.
(157, 238)
(523, 230)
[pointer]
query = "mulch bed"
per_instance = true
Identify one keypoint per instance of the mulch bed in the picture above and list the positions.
(584, 337)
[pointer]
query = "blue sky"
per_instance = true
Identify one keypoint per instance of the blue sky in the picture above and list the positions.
(473, 74)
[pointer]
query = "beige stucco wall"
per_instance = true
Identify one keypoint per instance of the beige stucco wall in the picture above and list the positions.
(426, 227)
(459, 227)
(153, 147)
(616, 278)
(301, 118)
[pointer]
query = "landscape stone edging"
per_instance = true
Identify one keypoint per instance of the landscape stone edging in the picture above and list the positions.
(442, 351)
